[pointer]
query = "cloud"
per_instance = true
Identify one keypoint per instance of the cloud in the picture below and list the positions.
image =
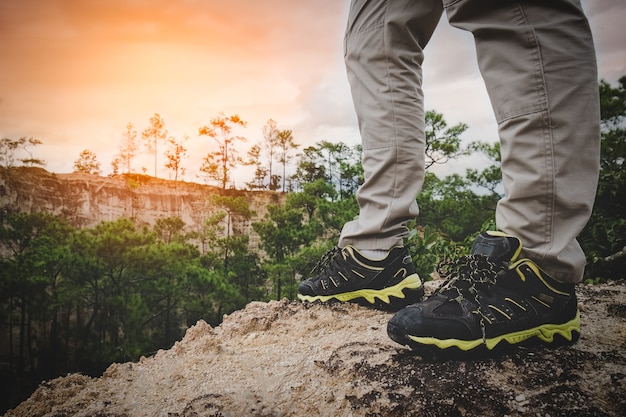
(607, 23)
(75, 72)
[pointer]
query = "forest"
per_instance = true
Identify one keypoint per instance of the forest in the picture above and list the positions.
(77, 299)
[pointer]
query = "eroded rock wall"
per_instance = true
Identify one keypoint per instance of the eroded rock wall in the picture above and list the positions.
(86, 200)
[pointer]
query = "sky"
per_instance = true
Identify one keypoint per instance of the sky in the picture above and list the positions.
(74, 73)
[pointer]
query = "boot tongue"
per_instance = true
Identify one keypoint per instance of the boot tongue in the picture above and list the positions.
(497, 246)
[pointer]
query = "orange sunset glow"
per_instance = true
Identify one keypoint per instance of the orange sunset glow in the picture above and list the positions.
(76, 72)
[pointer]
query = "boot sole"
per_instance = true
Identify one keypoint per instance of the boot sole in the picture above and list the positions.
(408, 291)
(547, 334)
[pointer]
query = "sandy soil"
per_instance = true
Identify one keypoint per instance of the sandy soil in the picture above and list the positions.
(291, 359)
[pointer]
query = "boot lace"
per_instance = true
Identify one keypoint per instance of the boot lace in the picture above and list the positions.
(467, 278)
(470, 269)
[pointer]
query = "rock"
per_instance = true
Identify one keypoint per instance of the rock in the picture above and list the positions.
(322, 360)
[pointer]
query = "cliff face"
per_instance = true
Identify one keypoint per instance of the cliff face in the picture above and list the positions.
(86, 200)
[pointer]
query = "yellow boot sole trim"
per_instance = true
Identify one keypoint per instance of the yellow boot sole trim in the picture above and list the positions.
(545, 332)
(411, 282)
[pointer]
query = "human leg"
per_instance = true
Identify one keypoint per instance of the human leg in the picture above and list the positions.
(538, 64)
(383, 52)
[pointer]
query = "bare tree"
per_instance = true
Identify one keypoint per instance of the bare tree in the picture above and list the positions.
(87, 163)
(285, 145)
(274, 147)
(217, 165)
(260, 172)
(11, 148)
(154, 134)
(175, 154)
(270, 140)
(128, 148)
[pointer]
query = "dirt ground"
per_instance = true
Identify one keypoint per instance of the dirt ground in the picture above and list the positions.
(291, 359)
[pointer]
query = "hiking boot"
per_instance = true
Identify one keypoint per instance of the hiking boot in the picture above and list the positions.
(489, 297)
(345, 275)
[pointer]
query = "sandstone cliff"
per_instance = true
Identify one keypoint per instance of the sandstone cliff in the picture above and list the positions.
(86, 200)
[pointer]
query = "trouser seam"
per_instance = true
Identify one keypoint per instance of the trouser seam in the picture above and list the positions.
(548, 136)
(395, 127)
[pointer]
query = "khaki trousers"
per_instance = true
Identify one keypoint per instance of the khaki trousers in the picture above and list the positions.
(538, 64)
